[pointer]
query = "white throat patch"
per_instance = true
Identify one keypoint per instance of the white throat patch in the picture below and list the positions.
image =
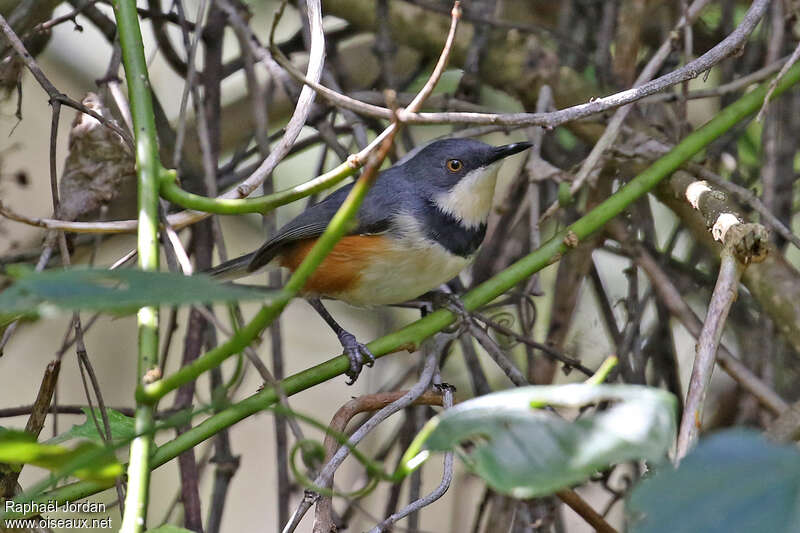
(471, 199)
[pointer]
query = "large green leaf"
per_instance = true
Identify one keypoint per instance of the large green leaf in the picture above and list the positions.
(122, 428)
(86, 461)
(114, 291)
(525, 451)
(733, 481)
(168, 528)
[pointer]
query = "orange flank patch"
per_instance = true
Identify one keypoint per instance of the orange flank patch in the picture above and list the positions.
(341, 270)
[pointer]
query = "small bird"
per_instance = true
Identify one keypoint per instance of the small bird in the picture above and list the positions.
(420, 224)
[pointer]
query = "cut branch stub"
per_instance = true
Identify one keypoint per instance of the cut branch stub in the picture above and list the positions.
(748, 242)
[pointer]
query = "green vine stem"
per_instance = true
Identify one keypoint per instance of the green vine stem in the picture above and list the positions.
(410, 336)
(170, 190)
(148, 168)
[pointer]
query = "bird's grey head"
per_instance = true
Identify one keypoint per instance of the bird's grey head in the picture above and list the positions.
(459, 175)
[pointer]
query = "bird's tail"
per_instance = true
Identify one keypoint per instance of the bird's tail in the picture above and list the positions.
(232, 269)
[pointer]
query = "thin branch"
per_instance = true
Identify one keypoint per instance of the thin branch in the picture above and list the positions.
(498, 356)
(585, 511)
(476, 17)
(7, 412)
(743, 243)
(774, 83)
(121, 226)
(724, 49)
(187, 463)
(435, 494)
(190, 87)
(226, 463)
(547, 350)
(38, 413)
(302, 109)
(738, 84)
(730, 271)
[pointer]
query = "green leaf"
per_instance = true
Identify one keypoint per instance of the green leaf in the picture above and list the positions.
(115, 291)
(86, 461)
(168, 528)
(122, 428)
(525, 451)
(734, 480)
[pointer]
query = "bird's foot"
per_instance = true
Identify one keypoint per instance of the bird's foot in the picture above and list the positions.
(358, 354)
(452, 303)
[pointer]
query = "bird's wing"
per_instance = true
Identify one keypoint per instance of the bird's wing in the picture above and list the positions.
(373, 217)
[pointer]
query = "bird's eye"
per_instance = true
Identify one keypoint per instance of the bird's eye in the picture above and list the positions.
(454, 165)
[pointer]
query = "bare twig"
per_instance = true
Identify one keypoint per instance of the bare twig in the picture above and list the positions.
(547, 350)
(73, 410)
(438, 492)
(191, 87)
(498, 356)
(187, 463)
(302, 109)
(774, 83)
(738, 84)
(585, 511)
(38, 413)
(479, 17)
(225, 462)
(480, 385)
(730, 271)
(120, 226)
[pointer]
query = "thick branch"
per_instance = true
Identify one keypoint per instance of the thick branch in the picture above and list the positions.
(772, 282)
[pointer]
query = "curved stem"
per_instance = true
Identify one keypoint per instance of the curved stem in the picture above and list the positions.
(171, 191)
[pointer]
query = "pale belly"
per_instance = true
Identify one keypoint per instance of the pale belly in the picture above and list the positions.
(404, 273)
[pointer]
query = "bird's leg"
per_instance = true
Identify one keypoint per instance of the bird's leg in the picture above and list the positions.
(358, 354)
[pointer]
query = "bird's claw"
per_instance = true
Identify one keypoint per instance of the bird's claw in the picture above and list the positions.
(358, 354)
(444, 386)
(452, 303)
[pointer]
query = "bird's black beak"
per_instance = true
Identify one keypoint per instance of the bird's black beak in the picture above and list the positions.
(501, 152)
